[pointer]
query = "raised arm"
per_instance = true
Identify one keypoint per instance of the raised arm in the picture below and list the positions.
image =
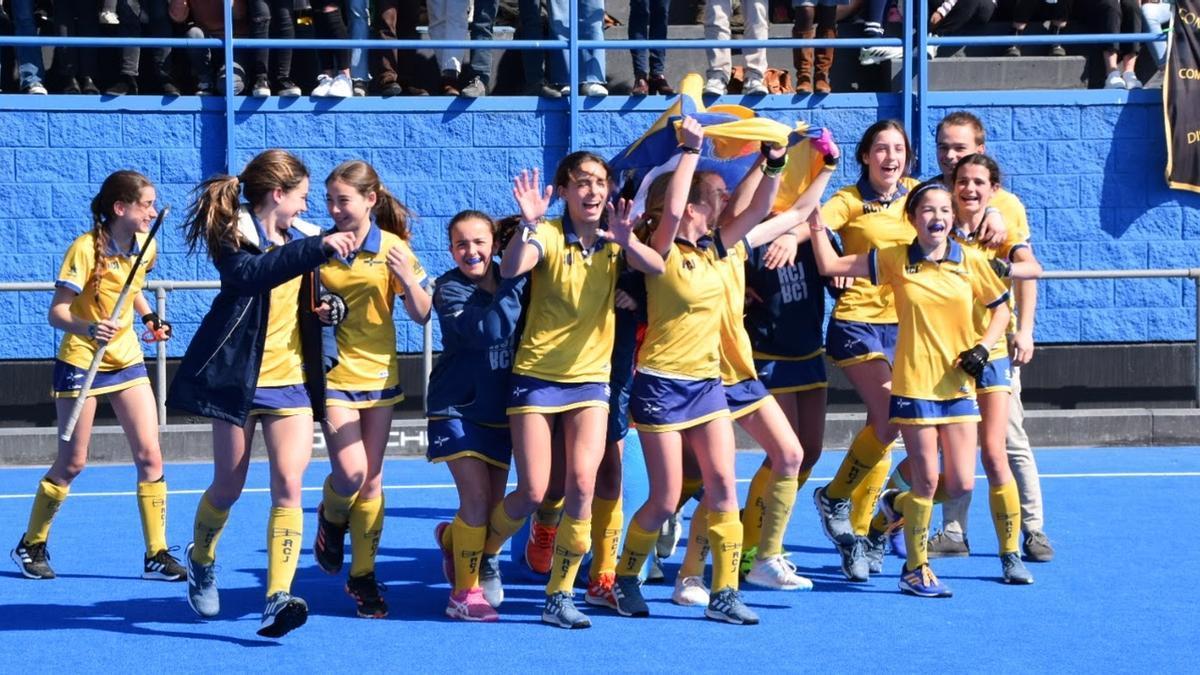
(620, 231)
(828, 261)
(764, 196)
(520, 256)
(246, 271)
(676, 200)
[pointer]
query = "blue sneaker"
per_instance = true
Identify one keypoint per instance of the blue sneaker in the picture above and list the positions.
(854, 560)
(628, 594)
(1015, 571)
(835, 517)
(283, 614)
(560, 611)
(923, 583)
(887, 504)
(202, 593)
(726, 605)
(895, 539)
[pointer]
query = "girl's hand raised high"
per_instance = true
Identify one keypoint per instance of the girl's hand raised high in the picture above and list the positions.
(621, 221)
(532, 200)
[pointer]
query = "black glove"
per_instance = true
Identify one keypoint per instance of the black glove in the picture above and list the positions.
(337, 308)
(973, 360)
(1001, 267)
(160, 329)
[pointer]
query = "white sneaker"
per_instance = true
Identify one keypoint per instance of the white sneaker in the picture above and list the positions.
(690, 592)
(39, 89)
(668, 537)
(754, 87)
(324, 82)
(1131, 80)
(1114, 81)
(109, 19)
(714, 86)
(869, 56)
(593, 89)
(342, 86)
(932, 51)
(779, 573)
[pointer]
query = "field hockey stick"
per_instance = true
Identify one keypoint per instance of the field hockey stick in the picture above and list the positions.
(69, 428)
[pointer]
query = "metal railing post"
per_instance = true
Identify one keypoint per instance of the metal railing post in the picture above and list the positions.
(230, 114)
(917, 130)
(427, 355)
(160, 358)
(906, 83)
(573, 75)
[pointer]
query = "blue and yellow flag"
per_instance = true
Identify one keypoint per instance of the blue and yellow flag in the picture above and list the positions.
(733, 135)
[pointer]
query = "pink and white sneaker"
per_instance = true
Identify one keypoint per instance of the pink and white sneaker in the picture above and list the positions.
(470, 606)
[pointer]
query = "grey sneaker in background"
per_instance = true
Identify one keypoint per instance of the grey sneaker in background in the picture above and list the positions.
(1037, 547)
(1015, 571)
(855, 565)
(560, 611)
(628, 593)
(945, 545)
(489, 580)
(726, 605)
(202, 593)
(474, 89)
(835, 517)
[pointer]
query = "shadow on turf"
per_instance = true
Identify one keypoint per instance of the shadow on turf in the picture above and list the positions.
(130, 617)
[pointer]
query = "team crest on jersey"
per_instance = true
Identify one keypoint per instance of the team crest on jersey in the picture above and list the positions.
(912, 268)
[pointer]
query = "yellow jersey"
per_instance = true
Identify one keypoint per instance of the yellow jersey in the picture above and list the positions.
(94, 303)
(935, 301)
(684, 313)
(366, 340)
(282, 361)
(571, 323)
(737, 354)
(864, 222)
(1018, 237)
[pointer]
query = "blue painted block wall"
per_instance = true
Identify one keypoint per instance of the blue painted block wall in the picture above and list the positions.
(1088, 165)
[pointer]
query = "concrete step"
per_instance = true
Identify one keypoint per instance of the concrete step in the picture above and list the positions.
(992, 73)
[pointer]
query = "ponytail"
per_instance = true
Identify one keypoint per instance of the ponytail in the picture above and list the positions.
(212, 215)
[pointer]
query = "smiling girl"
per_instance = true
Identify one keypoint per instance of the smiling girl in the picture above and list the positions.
(937, 283)
(257, 356)
(89, 282)
(468, 393)
(364, 385)
(563, 362)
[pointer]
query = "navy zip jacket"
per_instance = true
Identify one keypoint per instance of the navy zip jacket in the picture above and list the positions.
(470, 378)
(219, 372)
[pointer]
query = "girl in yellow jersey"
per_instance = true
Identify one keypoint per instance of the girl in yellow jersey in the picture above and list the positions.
(677, 395)
(562, 366)
(365, 384)
(976, 178)
(91, 277)
(861, 339)
(937, 283)
(257, 356)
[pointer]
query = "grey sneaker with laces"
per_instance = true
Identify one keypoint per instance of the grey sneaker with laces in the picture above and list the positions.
(283, 614)
(835, 517)
(474, 89)
(202, 593)
(489, 580)
(1037, 547)
(875, 545)
(855, 565)
(1014, 570)
(945, 545)
(560, 611)
(727, 605)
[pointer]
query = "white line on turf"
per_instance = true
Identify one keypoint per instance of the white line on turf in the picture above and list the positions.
(450, 486)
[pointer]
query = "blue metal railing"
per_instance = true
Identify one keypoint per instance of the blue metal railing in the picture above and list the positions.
(914, 91)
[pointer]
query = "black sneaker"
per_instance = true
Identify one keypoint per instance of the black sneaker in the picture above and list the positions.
(261, 88)
(168, 88)
(124, 85)
(163, 566)
(368, 593)
(87, 86)
(69, 86)
(283, 614)
(330, 547)
(33, 559)
(1037, 547)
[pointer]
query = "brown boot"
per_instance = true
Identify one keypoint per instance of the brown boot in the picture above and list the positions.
(823, 62)
(803, 60)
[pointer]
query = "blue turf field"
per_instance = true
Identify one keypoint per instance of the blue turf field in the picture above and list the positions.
(1121, 595)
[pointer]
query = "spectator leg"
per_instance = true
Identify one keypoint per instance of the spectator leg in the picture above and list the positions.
(559, 12)
(1157, 16)
(823, 56)
(658, 31)
(591, 27)
(530, 28)
(758, 21)
(29, 59)
(482, 22)
(359, 29)
(283, 26)
(129, 12)
(639, 29)
(716, 27)
(802, 58)
(259, 12)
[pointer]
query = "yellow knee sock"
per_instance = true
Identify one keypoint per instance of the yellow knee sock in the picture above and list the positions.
(206, 531)
(725, 538)
(865, 497)
(1006, 515)
(336, 507)
(285, 531)
(366, 527)
(152, 507)
(501, 528)
(917, 512)
(549, 512)
(607, 520)
(690, 487)
(46, 502)
(865, 452)
(803, 478)
(781, 495)
(638, 545)
(571, 543)
(696, 555)
(756, 505)
(468, 548)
